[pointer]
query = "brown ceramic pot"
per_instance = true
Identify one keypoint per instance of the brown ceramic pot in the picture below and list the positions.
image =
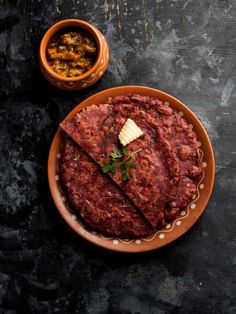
(88, 78)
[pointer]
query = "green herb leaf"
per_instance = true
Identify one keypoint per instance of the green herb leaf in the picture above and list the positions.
(109, 168)
(125, 170)
(125, 164)
(125, 175)
(77, 157)
(118, 154)
(132, 165)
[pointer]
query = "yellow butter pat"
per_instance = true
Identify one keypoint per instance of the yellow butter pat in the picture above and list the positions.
(129, 132)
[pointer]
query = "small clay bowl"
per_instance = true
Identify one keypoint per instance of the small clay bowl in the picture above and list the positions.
(86, 79)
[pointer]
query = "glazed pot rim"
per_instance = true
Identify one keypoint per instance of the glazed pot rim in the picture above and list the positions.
(66, 24)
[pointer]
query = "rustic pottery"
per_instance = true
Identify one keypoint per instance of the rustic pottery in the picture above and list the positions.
(88, 78)
(173, 230)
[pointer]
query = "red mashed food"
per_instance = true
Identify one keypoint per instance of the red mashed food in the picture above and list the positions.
(100, 202)
(167, 164)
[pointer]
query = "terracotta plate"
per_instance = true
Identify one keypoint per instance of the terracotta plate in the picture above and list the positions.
(173, 230)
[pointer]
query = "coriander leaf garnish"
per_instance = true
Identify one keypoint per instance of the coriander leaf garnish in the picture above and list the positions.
(132, 165)
(118, 154)
(77, 157)
(125, 170)
(130, 155)
(125, 175)
(120, 160)
(109, 168)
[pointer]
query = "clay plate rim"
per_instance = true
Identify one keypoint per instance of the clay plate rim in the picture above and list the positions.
(194, 215)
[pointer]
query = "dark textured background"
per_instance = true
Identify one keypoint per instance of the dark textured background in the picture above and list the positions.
(186, 48)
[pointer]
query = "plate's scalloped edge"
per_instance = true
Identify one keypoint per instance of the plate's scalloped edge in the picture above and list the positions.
(179, 218)
(116, 240)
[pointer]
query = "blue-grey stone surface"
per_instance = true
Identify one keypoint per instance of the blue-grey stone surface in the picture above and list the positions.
(184, 47)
